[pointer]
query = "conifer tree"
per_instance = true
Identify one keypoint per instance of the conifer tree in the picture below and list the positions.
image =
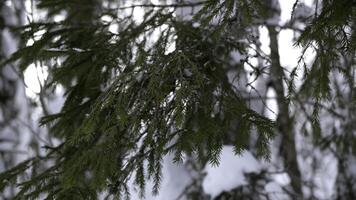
(138, 89)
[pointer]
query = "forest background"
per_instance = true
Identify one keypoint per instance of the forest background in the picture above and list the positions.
(230, 99)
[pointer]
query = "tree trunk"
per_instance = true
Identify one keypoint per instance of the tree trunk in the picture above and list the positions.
(284, 120)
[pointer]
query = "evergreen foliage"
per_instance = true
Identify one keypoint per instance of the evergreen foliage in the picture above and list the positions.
(155, 87)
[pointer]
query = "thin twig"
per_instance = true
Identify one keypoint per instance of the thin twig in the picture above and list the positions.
(163, 5)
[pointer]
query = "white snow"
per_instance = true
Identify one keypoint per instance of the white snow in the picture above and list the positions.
(35, 77)
(230, 173)
(175, 178)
